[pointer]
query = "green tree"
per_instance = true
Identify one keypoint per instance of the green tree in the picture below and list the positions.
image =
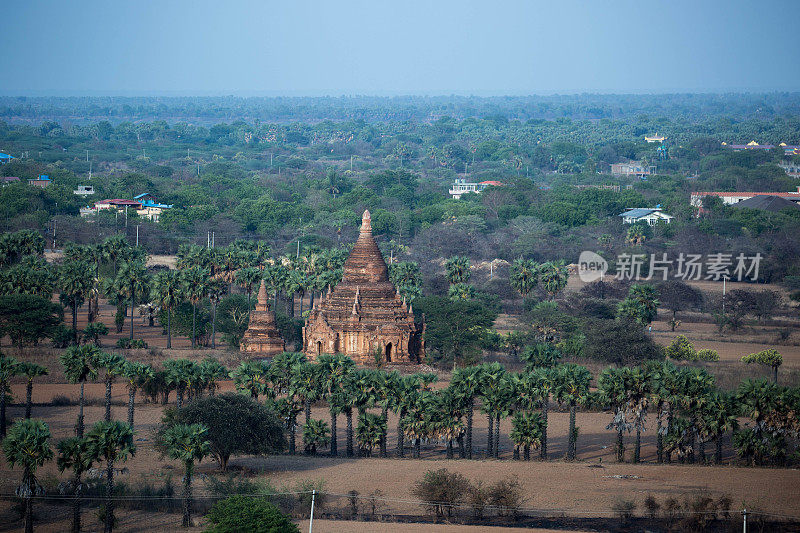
(457, 270)
(467, 384)
(526, 432)
(316, 434)
(681, 349)
(333, 370)
(770, 358)
(461, 291)
(251, 377)
(30, 371)
(211, 371)
(236, 425)
(166, 292)
(553, 276)
(180, 373)
(9, 367)
(27, 319)
(137, 375)
(542, 381)
(130, 282)
(719, 416)
(80, 363)
(93, 332)
(612, 385)
(454, 329)
(111, 441)
(571, 385)
(641, 304)
(194, 282)
(187, 443)
(405, 275)
(28, 445)
(524, 276)
(113, 365)
(74, 454)
(245, 513)
(75, 282)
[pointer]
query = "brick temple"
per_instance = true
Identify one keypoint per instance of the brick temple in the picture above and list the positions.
(262, 338)
(364, 317)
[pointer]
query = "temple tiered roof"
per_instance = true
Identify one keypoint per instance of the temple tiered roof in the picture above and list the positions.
(364, 316)
(262, 338)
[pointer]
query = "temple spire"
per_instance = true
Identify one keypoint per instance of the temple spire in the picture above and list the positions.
(366, 222)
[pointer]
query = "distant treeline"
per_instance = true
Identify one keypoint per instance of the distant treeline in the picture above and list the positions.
(692, 107)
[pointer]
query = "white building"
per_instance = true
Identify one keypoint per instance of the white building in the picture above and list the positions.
(650, 215)
(460, 187)
(84, 190)
(730, 198)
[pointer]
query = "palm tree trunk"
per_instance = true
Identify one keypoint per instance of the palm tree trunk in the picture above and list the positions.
(637, 451)
(400, 434)
(2, 410)
(109, 523)
(692, 444)
(133, 308)
(490, 440)
(417, 446)
(571, 444)
(169, 328)
(702, 448)
(620, 446)
(669, 427)
(29, 514)
(545, 409)
(194, 324)
(76, 507)
(496, 447)
(718, 450)
(131, 400)
(293, 435)
(385, 415)
(775, 374)
(179, 396)
(75, 321)
(659, 442)
(334, 448)
(187, 494)
(214, 327)
(349, 416)
(526, 452)
(308, 410)
(515, 454)
(28, 398)
(462, 453)
(79, 425)
(108, 398)
(470, 413)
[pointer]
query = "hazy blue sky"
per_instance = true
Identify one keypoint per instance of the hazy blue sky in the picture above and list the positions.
(398, 47)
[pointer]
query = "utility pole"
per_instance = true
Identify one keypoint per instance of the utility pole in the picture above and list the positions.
(137, 235)
(270, 160)
(54, 234)
(87, 156)
(126, 217)
(351, 163)
(311, 516)
(90, 169)
(744, 516)
(212, 240)
(208, 239)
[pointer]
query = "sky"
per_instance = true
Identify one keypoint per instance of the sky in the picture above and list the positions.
(398, 47)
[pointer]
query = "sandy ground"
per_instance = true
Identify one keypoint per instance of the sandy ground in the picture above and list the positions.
(345, 526)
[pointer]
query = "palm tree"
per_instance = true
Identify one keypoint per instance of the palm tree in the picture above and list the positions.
(571, 387)
(553, 277)
(114, 365)
(663, 387)
(115, 248)
(166, 293)
(757, 400)
(527, 432)
(181, 374)
(111, 441)
(611, 384)
(720, 415)
(542, 381)
(30, 371)
(407, 390)
(492, 383)
(524, 276)
(306, 385)
(315, 434)
(211, 371)
(217, 288)
(251, 377)
(370, 431)
(79, 364)
(9, 367)
(75, 281)
(697, 384)
(449, 410)
(74, 453)
(333, 370)
(247, 278)
(137, 374)
(194, 282)
(467, 381)
(637, 387)
(187, 443)
(131, 281)
(457, 270)
(28, 445)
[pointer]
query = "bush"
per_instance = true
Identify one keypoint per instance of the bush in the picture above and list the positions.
(680, 349)
(619, 342)
(441, 490)
(506, 496)
(243, 513)
(707, 354)
(128, 344)
(624, 509)
(62, 336)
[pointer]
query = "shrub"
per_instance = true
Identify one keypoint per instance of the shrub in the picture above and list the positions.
(60, 400)
(94, 331)
(62, 336)
(680, 349)
(441, 490)
(478, 499)
(707, 354)
(619, 342)
(624, 509)
(652, 506)
(243, 513)
(128, 344)
(506, 496)
(304, 489)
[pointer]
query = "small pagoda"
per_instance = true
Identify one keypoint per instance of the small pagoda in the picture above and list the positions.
(363, 316)
(262, 338)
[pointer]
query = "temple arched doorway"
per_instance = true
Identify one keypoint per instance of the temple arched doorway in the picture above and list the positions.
(319, 347)
(389, 353)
